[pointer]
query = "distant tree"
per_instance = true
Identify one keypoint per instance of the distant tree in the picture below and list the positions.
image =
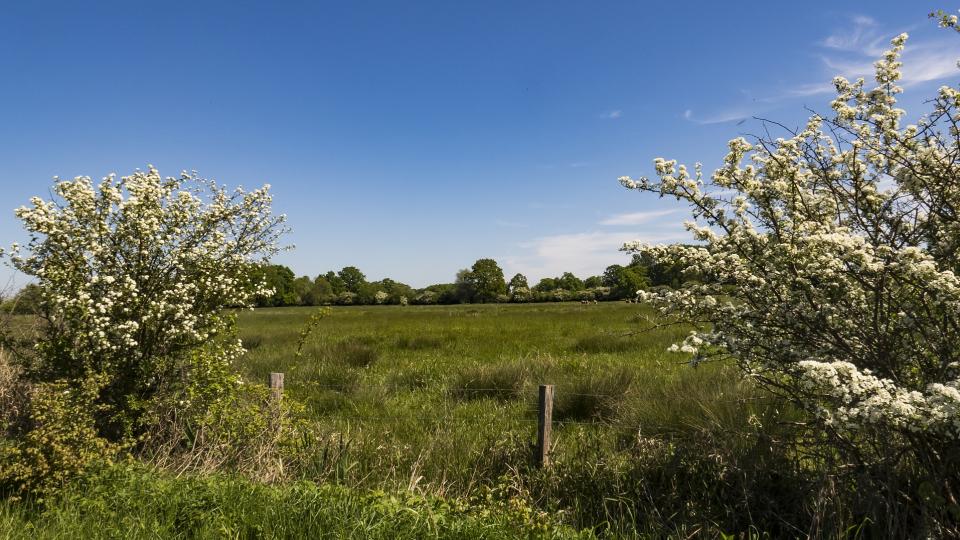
(611, 276)
(367, 294)
(303, 289)
(546, 285)
(440, 293)
(518, 281)
(425, 297)
(322, 289)
(593, 282)
(463, 288)
(353, 279)
(486, 279)
(346, 298)
(336, 283)
(625, 281)
(660, 273)
(279, 281)
(520, 294)
(570, 282)
(395, 290)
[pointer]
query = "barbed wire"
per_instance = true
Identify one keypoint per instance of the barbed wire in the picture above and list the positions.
(558, 390)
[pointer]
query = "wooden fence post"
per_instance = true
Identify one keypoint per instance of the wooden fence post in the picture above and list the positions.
(276, 385)
(544, 425)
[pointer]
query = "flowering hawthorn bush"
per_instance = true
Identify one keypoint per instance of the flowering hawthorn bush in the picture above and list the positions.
(135, 275)
(828, 265)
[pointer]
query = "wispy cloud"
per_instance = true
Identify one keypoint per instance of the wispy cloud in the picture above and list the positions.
(584, 254)
(637, 218)
(922, 62)
(806, 89)
(730, 115)
(851, 52)
(613, 115)
(863, 35)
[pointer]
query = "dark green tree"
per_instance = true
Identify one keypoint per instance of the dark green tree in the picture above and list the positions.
(486, 279)
(353, 279)
(336, 284)
(302, 288)
(323, 289)
(464, 289)
(518, 281)
(628, 280)
(280, 279)
(546, 284)
(660, 273)
(569, 282)
(611, 276)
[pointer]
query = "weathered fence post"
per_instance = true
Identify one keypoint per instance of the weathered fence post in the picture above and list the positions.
(544, 425)
(276, 385)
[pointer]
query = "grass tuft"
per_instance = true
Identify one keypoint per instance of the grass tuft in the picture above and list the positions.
(604, 343)
(595, 397)
(501, 381)
(357, 352)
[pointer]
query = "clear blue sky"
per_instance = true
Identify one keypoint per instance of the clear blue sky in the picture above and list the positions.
(411, 138)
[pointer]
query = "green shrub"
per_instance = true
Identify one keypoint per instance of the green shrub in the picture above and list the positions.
(54, 439)
(130, 502)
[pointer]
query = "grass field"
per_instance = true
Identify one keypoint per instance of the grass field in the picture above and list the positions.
(442, 400)
(423, 421)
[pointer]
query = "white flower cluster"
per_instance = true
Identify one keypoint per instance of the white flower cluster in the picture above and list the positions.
(827, 261)
(860, 398)
(141, 268)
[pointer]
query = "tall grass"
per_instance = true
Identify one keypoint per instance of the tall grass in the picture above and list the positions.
(138, 503)
(446, 403)
(440, 402)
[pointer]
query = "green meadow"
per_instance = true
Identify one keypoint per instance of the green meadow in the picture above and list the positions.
(422, 423)
(442, 400)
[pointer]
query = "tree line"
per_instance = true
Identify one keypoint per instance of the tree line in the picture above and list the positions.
(483, 282)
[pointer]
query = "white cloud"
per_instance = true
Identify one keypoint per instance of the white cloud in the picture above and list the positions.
(863, 35)
(637, 218)
(851, 53)
(613, 115)
(585, 254)
(729, 115)
(808, 89)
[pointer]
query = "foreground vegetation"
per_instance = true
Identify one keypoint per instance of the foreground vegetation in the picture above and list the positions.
(438, 404)
(130, 502)
(818, 317)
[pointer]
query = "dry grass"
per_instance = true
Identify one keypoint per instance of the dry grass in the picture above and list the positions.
(14, 392)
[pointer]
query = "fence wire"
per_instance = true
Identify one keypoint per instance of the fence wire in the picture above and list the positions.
(449, 412)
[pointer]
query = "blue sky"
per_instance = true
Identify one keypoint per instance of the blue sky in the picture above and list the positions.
(411, 138)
